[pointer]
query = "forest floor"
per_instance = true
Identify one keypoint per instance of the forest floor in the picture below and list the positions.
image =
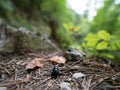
(100, 74)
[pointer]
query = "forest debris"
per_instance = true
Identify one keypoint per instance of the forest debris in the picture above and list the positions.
(94, 64)
(37, 62)
(13, 82)
(96, 73)
(39, 83)
(86, 83)
(58, 59)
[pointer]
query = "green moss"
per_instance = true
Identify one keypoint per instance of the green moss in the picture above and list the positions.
(9, 46)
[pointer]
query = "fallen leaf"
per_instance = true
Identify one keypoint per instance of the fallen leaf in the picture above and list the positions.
(37, 62)
(58, 59)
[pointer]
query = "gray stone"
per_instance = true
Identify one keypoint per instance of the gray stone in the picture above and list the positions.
(12, 39)
(78, 75)
(3, 88)
(65, 86)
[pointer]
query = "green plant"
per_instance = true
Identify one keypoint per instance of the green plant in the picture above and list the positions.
(65, 39)
(70, 28)
(6, 8)
(101, 44)
(66, 35)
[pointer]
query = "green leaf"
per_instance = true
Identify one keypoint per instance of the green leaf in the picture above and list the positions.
(70, 25)
(84, 45)
(104, 35)
(92, 43)
(102, 45)
(65, 26)
(76, 28)
(92, 37)
(118, 44)
(113, 46)
(108, 55)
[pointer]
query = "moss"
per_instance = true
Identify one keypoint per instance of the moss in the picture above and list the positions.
(9, 46)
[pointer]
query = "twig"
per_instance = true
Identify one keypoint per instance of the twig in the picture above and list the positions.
(98, 82)
(34, 54)
(13, 82)
(93, 64)
(29, 84)
(11, 61)
(87, 82)
(7, 71)
(49, 84)
(80, 85)
(113, 87)
(38, 84)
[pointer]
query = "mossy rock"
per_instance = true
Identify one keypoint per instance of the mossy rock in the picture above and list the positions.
(22, 39)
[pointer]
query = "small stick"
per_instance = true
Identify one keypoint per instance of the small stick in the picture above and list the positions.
(42, 82)
(13, 82)
(98, 82)
(113, 87)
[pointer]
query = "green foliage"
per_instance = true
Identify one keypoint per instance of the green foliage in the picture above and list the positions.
(104, 35)
(108, 55)
(91, 39)
(55, 10)
(6, 8)
(71, 28)
(66, 35)
(101, 43)
(37, 9)
(107, 18)
(65, 39)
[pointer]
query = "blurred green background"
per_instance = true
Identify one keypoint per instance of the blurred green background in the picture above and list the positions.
(98, 36)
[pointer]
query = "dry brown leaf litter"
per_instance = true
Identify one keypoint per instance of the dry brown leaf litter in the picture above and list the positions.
(37, 62)
(58, 59)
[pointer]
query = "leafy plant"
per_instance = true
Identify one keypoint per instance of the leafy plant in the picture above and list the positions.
(65, 39)
(71, 28)
(101, 44)
(66, 35)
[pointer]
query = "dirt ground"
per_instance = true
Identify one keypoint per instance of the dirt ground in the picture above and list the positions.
(101, 74)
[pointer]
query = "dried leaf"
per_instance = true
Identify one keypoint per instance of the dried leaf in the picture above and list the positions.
(58, 59)
(37, 62)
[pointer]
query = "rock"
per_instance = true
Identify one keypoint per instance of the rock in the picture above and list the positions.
(3, 88)
(65, 86)
(78, 75)
(12, 39)
(73, 55)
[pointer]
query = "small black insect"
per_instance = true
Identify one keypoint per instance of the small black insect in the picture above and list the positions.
(55, 72)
